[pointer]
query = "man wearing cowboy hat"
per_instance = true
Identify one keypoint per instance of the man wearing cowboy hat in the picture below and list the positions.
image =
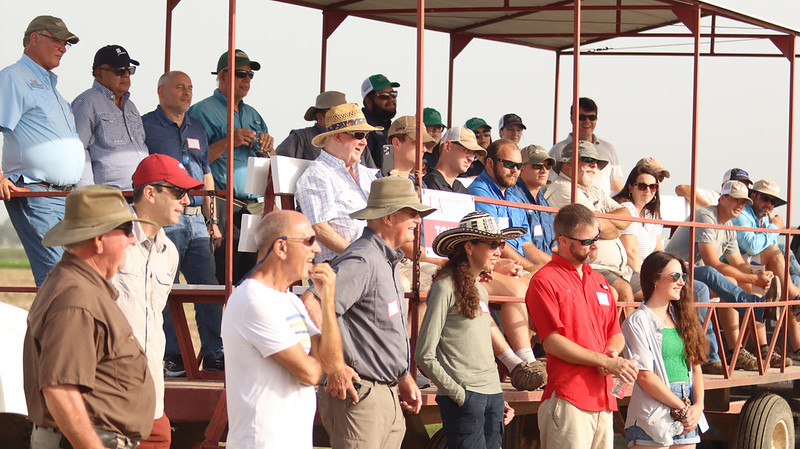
(160, 193)
(86, 377)
(371, 312)
(298, 143)
(576, 317)
(611, 261)
(335, 184)
(41, 148)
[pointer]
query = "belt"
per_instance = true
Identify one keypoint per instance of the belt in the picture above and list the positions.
(192, 210)
(388, 384)
(111, 440)
(49, 186)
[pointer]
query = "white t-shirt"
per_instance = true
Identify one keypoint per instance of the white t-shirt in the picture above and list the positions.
(646, 233)
(267, 406)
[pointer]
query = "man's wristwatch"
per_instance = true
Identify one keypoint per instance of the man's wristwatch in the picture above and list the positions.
(213, 221)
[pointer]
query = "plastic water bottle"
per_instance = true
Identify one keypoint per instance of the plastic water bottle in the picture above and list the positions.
(676, 428)
(620, 386)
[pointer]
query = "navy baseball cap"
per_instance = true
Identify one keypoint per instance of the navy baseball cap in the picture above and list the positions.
(113, 55)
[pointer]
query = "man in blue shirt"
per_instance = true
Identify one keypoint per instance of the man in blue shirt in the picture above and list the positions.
(108, 122)
(41, 148)
(536, 164)
(250, 139)
(173, 133)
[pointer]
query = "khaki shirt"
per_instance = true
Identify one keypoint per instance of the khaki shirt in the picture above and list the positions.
(78, 336)
(144, 283)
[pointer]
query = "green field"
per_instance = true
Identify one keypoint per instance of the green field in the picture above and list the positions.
(13, 258)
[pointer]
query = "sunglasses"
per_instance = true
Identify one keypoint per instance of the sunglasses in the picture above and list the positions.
(58, 42)
(544, 166)
(308, 241)
(120, 71)
(769, 199)
(510, 164)
(386, 95)
(591, 117)
(177, 191)
(590, 160)
(242, 74)
(485, 133)
(644, 186)
(585, 242)
(126, 228)
(675, 276)
(358, 135)
(493, 244)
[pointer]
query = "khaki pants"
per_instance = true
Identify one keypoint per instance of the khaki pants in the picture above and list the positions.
(562, 425)
(375, 422)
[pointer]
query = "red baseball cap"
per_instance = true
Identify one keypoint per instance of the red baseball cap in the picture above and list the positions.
(160, 167)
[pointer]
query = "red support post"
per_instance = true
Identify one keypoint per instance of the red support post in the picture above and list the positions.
(576, 80)
(693, 23)
(229, 157)
(556, 96)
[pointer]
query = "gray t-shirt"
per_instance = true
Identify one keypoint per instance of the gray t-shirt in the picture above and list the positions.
(724, 240)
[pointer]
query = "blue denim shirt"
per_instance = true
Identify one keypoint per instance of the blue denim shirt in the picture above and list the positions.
(40, 142)
(484, 186)
(541, 223)
(212, 112)
(187, 143)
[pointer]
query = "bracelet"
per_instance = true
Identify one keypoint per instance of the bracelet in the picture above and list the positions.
(213, 221)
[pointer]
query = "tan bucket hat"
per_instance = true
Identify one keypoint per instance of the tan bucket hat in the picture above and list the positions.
(388, 195)
(407, 125)
(464, 137)
(474, 226)
(341, 119)
(90, 211)
(585, 149)
(736, 189)
(325, 100)
(769, 188)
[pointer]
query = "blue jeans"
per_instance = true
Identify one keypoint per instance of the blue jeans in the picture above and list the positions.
(701, 295)
(635, 435)
(727, 290)
(478, 424)
(196, 262)
(32, 217)
(794, 266)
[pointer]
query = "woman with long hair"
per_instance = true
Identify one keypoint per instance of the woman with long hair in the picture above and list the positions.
(665, 335)
(641, 197)
(454, 346)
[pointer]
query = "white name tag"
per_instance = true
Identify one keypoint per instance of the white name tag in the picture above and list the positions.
(602, 298)
(194, 144)
(502, 222)
(394, 308)
(484, 307)
(537, 230)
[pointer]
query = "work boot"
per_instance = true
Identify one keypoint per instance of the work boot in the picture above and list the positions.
(173, 366)
(776, 361)
(529, 376)
(746, 360)
(713, 368)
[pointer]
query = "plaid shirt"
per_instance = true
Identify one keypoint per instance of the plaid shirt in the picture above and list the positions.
(327, 193)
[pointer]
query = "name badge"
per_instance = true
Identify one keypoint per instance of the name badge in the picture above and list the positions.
(602, 298)
(484, 307)
(194, 144)
(537, 230)
(394, 308)
(502, 222)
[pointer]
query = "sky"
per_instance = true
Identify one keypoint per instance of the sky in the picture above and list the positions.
(645, 103)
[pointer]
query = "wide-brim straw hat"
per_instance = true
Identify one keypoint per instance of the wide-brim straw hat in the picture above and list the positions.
(390, 194)
(770, 188)
(474, 226)
(341, 119)
(585, 149)
(90, 211)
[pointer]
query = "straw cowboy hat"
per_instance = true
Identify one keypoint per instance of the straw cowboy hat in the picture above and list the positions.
(90, 211)
(474, 226)
(341, 119)
(389, 195)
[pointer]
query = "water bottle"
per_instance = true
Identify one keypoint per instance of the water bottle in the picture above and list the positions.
(620, 386)
(676, 428)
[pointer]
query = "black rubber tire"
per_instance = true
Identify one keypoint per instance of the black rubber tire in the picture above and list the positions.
(438, 440)
(766, 422)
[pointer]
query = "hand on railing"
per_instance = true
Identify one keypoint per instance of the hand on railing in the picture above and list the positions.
(7, 188)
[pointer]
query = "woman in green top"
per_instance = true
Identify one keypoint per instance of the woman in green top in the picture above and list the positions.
(666, 407)
(454, 346)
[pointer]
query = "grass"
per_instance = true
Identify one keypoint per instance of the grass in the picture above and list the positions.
(13, 258)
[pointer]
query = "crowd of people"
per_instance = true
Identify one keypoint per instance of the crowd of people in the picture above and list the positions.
(105, 268)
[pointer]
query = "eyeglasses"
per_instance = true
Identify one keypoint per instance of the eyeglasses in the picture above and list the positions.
(675, 276)
(120, 71)
(510, 164)
(545, 166)
(591, 117)
(590, 160)
(386, 95)
(358, 135)
(585, 242)
(58, 42)
(177, 191)
(485, 133)
(308, 241)
(768, 198)
(644, 186)
(242, 74)
(126, 228)
(493, 244)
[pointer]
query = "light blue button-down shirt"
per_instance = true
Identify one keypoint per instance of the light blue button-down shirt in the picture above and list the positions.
(113, 137)
(40, 142)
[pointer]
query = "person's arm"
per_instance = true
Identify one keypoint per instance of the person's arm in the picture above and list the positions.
(305, 368)
(410, 396)
(631, 244)
(659, 243)
(762, 279)
(710, 257)
(571, 352)
(695, 411)
(623, 212)
(65, 404)
(330, 353)
(330, 238)
(7, 188)
(510, 253)
(535, 255)
(608, 230)
(655, 387)
(685, 191)
(208, 184)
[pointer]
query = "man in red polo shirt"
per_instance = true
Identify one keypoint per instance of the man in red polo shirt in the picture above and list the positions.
(575, 313)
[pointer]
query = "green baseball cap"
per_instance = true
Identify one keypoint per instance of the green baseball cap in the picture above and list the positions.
(376, 82)
(475, 123)
(431, 117)
(241, 59)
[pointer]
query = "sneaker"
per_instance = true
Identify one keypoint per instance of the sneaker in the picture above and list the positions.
(713, 368)
(794, 355)
(745, 361)
(173, 366)
(211, 363)
(529, 376)
(776, 361)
